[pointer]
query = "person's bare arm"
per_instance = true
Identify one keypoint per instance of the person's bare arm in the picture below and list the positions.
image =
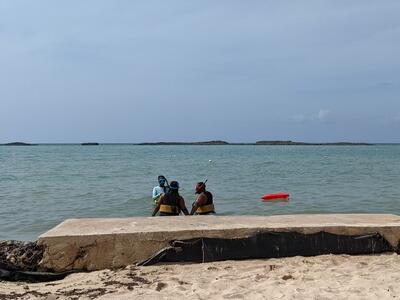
(183, 206)
(157, 208)
(198, 202)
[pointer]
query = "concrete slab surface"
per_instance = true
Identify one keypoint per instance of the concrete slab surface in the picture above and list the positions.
(94, 244)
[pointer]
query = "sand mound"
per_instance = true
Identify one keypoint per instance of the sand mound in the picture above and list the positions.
(322, 277)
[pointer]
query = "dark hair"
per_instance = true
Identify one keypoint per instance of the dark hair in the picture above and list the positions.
(174, 185)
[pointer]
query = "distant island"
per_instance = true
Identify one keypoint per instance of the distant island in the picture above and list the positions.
(89, 144)
(310, 144)
(18, 144)
(209, 143)
(268, 143)
(188, 143)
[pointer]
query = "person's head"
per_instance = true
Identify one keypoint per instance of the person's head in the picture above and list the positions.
(200, 187)
(174, 186)
(161, 180)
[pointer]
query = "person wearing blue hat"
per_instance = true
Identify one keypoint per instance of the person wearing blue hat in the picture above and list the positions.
(171, 203)
(161, 188)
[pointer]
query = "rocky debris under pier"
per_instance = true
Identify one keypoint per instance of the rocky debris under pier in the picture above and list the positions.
(21, 256)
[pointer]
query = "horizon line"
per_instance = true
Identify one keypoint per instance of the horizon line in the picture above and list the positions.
(209, 142)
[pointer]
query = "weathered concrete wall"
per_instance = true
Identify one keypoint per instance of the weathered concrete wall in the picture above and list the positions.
(94, 244)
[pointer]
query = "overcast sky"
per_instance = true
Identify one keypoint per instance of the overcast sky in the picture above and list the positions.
(134, 71)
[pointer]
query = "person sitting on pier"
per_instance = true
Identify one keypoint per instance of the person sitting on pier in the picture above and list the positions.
(171, 203)
(203, 205)
(161, 188)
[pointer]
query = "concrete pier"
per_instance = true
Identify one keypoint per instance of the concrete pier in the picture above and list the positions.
(94, 244)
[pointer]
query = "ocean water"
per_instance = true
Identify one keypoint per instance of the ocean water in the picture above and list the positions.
(41, 186)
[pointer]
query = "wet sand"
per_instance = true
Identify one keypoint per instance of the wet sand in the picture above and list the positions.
(322, 277)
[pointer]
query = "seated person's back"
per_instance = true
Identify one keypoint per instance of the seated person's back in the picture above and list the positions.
(171, 203)
(204, 203)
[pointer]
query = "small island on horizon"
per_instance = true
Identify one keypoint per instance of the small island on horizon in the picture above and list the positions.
(188, 143)
(89, 144)
(18, 144)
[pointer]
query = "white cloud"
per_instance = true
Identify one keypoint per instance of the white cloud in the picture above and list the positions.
(320, 116)
(323, 114)
(396, 119)
(300, 117)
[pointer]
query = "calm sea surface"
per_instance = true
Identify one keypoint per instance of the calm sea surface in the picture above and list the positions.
(41, 186)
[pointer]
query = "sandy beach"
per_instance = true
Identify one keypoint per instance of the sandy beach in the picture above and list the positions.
(322, 277)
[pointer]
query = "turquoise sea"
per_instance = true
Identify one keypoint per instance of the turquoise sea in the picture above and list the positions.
(40, 186)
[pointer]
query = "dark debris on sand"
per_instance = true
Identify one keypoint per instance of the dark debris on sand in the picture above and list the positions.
(17, 255)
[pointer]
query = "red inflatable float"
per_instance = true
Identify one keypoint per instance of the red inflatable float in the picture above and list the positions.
(275, 196)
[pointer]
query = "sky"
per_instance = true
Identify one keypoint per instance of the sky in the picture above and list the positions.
(241, 71)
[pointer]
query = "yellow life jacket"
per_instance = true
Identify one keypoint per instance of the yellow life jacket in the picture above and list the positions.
(205, 209)
(169, 205)
(168, 209)
(208, 207)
